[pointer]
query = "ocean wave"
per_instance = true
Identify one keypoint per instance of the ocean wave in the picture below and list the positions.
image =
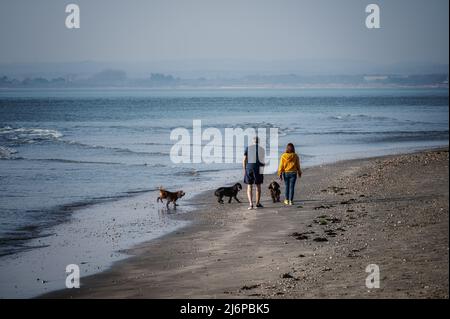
(22, 135)
(393, 133)
(189, 172)
(59, 160)
(68, 161)
(7, 153)
(192, 172)
(113, 149)
(346, 117)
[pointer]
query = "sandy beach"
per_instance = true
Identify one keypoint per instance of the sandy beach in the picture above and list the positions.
(390, 211)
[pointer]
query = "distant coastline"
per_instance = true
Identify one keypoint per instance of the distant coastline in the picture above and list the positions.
(118, 79)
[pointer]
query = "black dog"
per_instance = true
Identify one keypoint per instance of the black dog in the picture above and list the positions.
(230, 192)
(275, 191)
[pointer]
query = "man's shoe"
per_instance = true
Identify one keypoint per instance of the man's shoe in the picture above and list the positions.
(286, 202)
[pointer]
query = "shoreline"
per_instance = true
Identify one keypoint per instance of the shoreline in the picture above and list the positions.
(94, 236)
(115, 233)
(209, 220)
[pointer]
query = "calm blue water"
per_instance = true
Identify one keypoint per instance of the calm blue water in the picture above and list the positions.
(64, 148)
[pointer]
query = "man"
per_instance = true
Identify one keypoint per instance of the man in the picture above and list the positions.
(253, 164)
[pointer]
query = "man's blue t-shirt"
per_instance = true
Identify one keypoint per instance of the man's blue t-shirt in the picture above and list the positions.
(255, 156)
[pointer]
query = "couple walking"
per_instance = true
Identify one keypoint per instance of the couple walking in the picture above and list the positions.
(288, 170)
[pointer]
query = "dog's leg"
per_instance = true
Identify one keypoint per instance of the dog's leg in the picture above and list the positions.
(220, 199)
(229, 201)
(235, 197)
(174, 205)
(158, 199)
(167, 204)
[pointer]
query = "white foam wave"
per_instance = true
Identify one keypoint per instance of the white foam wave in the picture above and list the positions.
(7, 152)
(24, 135)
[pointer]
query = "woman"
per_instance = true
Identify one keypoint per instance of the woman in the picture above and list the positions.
(288, 170)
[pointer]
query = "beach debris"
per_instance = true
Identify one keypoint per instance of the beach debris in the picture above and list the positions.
(334, 220)
(320, 239)
(301, 236)
(330, 232)
(333, 189)
(301, 256)
(350, 201)
(353, 255)
(344, 193)
(324, 220)
(250, 287)
(323, 207)
(287, 275)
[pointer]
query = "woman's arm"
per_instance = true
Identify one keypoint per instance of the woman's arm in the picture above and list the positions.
(281, 168)
(299, 169)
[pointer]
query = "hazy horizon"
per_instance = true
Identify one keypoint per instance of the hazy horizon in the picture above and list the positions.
(158, 30)
(219, 69)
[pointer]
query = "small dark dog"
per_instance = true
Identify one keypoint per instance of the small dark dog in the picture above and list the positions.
(230, 192)
(275, 191)
(171, 197)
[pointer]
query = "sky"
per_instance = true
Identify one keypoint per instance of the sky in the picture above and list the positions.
(151, 31)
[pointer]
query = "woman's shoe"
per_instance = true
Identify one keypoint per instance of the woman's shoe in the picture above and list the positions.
(259, 205)
(286, 202)
(250, 207)
(291, 203)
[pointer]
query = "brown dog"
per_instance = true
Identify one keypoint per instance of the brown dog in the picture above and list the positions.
(171, 197)
(275, 191)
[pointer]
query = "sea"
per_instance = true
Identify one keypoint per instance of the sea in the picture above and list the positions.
(69, 157)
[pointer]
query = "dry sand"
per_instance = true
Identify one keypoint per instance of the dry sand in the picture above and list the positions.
(391, 211)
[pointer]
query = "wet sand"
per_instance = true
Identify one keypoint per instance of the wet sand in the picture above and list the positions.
(390, 211)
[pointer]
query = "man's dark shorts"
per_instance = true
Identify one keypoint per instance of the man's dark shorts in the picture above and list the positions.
(253, 176)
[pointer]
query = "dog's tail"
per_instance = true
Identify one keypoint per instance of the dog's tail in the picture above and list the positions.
(159, 199)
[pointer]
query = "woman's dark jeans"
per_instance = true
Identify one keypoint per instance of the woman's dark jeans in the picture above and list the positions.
(289, 181)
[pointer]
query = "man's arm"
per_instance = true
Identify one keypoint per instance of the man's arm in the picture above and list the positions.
(244, 163)
(261, 156)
